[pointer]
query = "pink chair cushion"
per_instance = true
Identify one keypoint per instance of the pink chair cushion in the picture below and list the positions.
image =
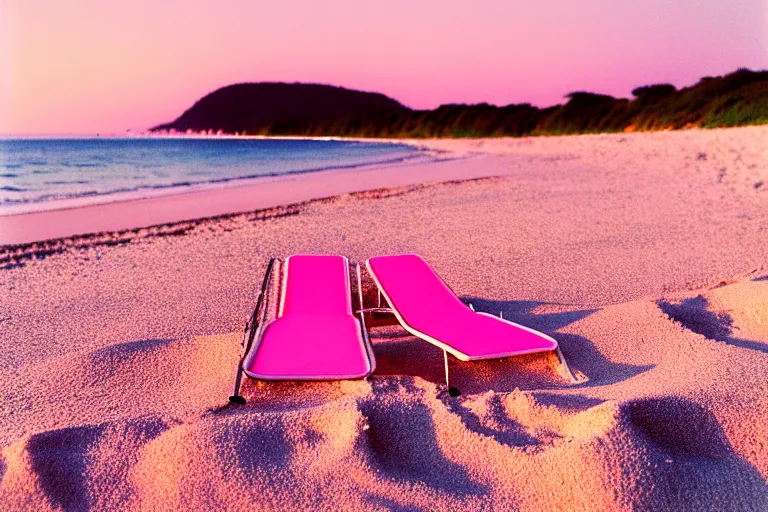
(316, 285)
(429, 309)
(316, 336)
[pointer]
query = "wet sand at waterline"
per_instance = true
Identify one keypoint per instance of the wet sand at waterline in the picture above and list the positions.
(644, 255)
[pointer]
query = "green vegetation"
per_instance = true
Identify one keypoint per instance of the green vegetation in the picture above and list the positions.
(737, 99)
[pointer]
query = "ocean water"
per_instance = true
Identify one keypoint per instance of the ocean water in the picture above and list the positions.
(43, 174)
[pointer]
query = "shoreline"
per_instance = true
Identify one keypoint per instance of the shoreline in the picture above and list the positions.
(248, 196)
(503, 155)
(152, 192)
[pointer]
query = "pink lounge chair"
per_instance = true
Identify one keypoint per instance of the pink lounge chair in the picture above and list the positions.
(426, 307)
(312, 334)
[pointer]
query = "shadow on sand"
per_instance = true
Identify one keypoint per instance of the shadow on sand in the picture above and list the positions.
(392, 443)
(408, 355)
(694, 315)
(688, 446)
(60, 459)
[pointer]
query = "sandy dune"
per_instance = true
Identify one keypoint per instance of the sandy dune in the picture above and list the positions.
(644, 255)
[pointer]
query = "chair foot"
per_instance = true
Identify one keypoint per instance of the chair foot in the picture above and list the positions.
(452, 391)
(236, 400)
(563, 370)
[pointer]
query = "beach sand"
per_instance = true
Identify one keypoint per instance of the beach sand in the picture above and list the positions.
(644, 255)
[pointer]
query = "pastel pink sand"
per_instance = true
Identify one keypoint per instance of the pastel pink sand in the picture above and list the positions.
(643, 255)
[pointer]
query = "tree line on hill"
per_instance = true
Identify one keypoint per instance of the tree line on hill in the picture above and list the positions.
(736, 99)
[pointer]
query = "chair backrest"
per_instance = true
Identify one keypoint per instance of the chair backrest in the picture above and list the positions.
(413, 289)
(317, 285)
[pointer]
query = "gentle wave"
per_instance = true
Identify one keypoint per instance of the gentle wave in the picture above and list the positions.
(82, 182)
(104, 170)
(123, 190)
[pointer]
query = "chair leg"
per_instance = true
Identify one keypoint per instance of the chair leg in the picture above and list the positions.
(451, 391)
(445, 358)
(363, 327)
(251, 326)
(236, 398)
(563, 370)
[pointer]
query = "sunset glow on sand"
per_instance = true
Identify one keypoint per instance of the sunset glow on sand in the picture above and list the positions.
(403, 255)
(88, 66)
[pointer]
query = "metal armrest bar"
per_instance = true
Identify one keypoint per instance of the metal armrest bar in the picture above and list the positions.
(252, 325)
(363, 327)
(376, 310)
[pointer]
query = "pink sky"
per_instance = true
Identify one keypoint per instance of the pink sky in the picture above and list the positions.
(87, 66)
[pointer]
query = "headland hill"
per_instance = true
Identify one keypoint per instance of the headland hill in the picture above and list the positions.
(314, 110)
